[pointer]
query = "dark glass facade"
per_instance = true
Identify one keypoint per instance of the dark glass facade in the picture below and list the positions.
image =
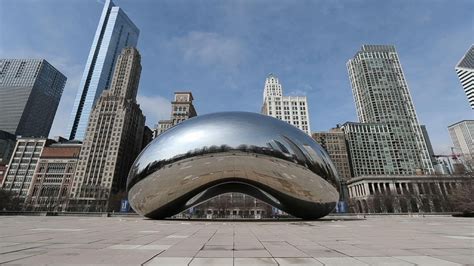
(114, 32)
(30, 91)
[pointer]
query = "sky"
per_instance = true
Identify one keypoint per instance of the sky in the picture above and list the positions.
(222, 51)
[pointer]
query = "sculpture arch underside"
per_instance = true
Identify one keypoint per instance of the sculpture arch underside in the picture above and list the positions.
(248, 153)
(258, 176)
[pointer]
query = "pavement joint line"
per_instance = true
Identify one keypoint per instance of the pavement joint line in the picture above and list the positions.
(233, 245)
(5, 262)
(297, 248)
(337, 251)
(9, 252)
(265, 248)
(150, 259)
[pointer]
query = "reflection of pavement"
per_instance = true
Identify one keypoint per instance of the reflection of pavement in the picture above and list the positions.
(395, 240)
(177, 179)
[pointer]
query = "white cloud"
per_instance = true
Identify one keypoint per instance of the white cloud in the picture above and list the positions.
(155, 108)
(209, 48)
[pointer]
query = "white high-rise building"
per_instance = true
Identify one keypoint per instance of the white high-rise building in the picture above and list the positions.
(462, 134)
(23, 164)
(465, 71)
(291, 109)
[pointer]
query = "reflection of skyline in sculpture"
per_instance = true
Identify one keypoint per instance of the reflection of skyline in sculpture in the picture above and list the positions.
(232, 205)
(218, 140)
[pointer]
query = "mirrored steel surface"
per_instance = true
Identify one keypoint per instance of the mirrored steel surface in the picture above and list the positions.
(233, 152)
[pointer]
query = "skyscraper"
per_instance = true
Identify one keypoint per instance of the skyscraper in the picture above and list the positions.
(30, 90)
(462, 135)
(465, 71)
(381, 95)
(182, 108)
(291, 109)
(115, 32)
(113, 139)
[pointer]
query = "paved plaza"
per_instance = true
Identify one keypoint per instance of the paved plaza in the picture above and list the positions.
(377, 240)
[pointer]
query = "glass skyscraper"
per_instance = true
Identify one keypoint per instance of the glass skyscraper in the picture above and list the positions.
(115, 32)
(382, 97)
(30, 90)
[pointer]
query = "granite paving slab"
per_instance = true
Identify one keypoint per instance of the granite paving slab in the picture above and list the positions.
(375, 240)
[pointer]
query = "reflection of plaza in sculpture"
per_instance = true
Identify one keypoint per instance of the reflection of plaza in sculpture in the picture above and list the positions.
(233, 152)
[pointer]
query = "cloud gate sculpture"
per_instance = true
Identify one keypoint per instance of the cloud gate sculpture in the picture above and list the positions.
(250, 153)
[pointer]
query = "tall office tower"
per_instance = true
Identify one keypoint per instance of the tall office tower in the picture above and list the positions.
(23, 164)
(291, 109)
(30, 90)
(51, 183)
(182, 108)
(334, 142)
(462, 135)
(465, 71)
(381, 95)
(114, 32)
(113, 139)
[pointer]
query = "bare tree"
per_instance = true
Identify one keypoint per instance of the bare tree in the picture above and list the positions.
(9, 201)
(462, 197)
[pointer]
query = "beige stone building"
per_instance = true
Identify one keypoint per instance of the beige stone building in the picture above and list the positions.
(334, 142)
(182, 108)
(51, 183)
(401, 194)
(113, 139)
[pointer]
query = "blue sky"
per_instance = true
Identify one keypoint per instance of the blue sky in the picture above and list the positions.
(223, 50)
